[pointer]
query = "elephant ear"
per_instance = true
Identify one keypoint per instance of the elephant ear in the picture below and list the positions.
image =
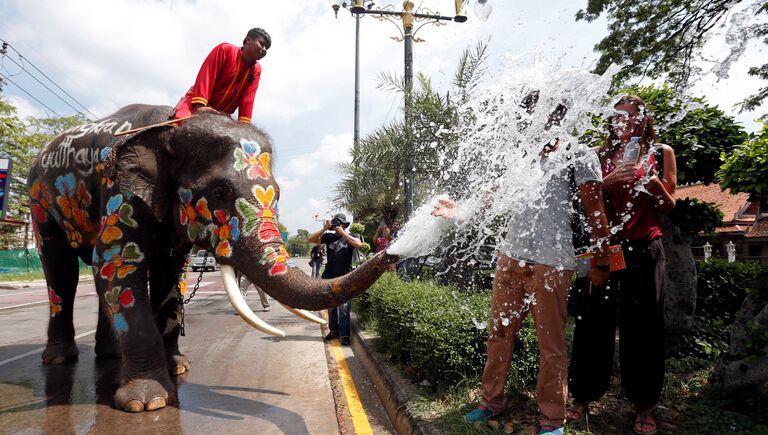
(142, 167)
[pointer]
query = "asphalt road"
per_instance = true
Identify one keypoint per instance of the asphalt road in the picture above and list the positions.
(241, 380)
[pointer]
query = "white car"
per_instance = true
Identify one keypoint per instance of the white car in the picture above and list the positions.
(197, 261)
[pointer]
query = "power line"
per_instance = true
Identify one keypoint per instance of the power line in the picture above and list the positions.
(21, 56)
(44, 85)
(30, 95)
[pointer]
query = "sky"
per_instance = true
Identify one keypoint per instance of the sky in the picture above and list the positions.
(108, 54)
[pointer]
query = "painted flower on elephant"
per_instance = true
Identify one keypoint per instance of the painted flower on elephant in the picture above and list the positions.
(54, 302)
(41, 201)
(263, 214)
(73, 236)
(250, 157)
(276, 259)
(74, 199)
(119, 298)
(117, 211)
(193, 217)
(226, 229)
(116, 261)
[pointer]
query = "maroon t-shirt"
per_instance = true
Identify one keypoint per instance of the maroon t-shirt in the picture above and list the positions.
(622, 200)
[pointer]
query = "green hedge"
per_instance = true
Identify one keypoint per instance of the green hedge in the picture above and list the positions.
(440, 334)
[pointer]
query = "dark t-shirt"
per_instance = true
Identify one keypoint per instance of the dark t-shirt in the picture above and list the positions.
(317, 253)
(339, 255)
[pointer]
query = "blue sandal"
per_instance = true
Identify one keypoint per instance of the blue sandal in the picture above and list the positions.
(481, 413)
(550, 430)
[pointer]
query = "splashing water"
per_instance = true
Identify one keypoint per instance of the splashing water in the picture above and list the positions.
(494, 172)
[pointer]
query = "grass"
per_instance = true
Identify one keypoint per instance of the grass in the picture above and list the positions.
(35, 275)
(689, 404)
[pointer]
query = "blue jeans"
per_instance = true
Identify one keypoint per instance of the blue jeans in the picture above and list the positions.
(338, 319)
(316, 269)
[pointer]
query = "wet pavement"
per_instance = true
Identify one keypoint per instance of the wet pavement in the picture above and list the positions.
(241, 380)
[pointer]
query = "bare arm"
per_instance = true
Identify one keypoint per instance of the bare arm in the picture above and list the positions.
(591, 195)
(663, 190)
(315, 237)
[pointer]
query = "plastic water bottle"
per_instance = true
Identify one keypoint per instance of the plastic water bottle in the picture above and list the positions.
(632, 151)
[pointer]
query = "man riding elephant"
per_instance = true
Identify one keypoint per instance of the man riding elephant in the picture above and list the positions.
(228, 79)
(132, 207)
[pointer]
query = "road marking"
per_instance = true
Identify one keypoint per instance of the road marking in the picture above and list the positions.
(24, 305)
(38, 350)
(41, 302)
(24, 293)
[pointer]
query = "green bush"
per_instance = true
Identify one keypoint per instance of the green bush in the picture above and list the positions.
(722, 286)
(440, 334)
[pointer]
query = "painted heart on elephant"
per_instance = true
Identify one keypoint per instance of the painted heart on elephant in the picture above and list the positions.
(133, 207)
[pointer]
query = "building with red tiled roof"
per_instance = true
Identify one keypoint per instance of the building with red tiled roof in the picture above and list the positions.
(741, 225)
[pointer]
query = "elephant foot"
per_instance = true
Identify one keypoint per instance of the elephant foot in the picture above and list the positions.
(178, 364)
(139, 395)
(60, 353)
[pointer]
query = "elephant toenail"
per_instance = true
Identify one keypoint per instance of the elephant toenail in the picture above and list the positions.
(156, 403)
(134, 405)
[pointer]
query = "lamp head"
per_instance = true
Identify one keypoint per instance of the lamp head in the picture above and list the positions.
(357, 7)
(460, 17)
(335, 4)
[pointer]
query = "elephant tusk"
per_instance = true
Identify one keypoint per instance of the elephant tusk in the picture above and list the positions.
(238, 302)
(306, 315)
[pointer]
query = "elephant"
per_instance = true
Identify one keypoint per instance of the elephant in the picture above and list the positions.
(132, 206)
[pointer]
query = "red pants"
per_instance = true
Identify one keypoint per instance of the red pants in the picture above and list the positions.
(543, 290)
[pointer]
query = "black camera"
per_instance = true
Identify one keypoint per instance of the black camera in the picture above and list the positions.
(335, 222)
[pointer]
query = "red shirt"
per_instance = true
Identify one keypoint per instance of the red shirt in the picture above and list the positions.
(643, 221)
(224, 83)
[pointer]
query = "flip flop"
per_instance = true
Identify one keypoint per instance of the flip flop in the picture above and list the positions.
(645, 419)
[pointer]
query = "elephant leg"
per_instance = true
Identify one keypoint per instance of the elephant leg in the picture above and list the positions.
(107, 345)
(61, 274)
(165, 305)
(122, 259)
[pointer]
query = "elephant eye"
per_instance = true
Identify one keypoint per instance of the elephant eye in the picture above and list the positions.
(220, 192)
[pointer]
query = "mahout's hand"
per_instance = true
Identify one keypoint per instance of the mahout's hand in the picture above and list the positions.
(444, 208)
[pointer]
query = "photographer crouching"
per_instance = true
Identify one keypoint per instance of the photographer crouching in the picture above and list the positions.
(340, 246)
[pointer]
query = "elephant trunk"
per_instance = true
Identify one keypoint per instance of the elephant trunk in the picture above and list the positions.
(298, 290)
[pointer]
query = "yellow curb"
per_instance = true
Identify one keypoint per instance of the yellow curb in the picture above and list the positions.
(355, 406)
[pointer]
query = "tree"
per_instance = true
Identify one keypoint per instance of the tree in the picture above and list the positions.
(746, 168)
(298, 244)
(371, 184)
(659, 38)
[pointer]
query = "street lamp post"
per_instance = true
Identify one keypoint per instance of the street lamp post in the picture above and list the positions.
(408, 17)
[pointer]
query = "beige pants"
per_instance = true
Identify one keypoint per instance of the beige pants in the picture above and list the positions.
(518, 289)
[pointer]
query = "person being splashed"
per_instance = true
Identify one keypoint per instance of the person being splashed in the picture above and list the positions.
(533, 274)
(639, 187)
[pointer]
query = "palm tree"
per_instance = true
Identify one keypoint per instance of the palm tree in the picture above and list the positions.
(371, 184)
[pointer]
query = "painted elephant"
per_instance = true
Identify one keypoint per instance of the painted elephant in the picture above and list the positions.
(133, 206)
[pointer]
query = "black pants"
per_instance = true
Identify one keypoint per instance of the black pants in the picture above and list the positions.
(636, 293)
